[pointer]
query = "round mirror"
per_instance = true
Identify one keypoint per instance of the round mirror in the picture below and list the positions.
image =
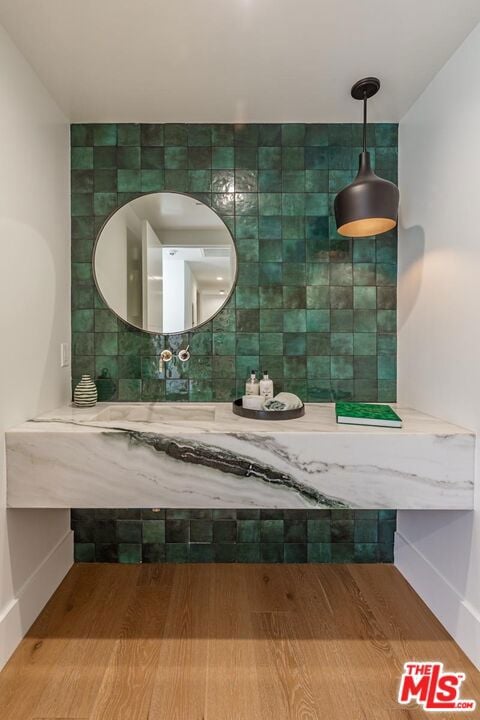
(165, 263)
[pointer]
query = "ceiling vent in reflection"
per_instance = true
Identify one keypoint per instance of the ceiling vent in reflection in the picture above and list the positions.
(216, 252)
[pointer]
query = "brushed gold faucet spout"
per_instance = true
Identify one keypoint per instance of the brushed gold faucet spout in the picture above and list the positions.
(165, 357)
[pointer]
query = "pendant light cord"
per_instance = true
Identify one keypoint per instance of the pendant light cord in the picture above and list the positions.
(365, 121)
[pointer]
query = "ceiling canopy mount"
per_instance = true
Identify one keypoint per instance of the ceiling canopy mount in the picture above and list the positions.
(365, 88)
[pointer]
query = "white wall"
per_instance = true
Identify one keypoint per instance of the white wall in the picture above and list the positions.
(35, 546)
(209, 305)
(111, 257)
(152, 285)
(173, 292)
(190, 295)
(111, 262)
(439, 322)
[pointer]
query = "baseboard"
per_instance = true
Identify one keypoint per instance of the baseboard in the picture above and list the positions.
(458, 617)
(19, 615)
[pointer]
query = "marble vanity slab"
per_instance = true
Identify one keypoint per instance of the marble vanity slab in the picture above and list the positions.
(201, 455)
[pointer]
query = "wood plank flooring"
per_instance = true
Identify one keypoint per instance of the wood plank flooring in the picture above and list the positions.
(226, 642)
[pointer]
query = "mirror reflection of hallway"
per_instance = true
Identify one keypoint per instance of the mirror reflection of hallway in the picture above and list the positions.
(165, 263)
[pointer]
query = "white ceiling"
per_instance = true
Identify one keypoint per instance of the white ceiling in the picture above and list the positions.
(174, 211)
(235, 60)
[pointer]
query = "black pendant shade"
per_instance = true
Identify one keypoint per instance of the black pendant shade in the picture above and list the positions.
(369, 205)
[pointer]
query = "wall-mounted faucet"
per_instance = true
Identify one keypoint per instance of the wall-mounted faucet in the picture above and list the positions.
(167, 356)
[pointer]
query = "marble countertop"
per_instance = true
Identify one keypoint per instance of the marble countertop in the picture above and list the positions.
(202, 455)
(318, 418)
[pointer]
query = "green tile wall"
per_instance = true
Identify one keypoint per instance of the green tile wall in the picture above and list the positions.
(298, 536)
(317, 310)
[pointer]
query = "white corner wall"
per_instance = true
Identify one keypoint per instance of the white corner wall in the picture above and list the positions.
(35, 546)
(439, 323)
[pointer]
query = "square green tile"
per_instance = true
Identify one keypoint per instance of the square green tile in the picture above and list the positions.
(293, 158)
(316, 134)
(152, 180)
(316, 158)
(105, 321)
(128, 134)
(130, 366)
(294, 367)
(318, 367)
(294, 273)
(295, 530)
(81, 204)
(129, 553)
(106, 343)
(83, 343)
(223, 158)
(271, 319)
(293, 181)
(81, 158)
(129, 180)
(269, 134)
(247, 344)
(129, 390)
(269, 158)
(177, 552)
(294, 320)
(317, 320)
(271, 343)
(105, 158)
(248, 552)
(341, 343)
(248, 531)
(105, 134)
(129, 531)
(341, 367)
(269, 203)
(270, 273)
(271, 552)
(271, 530)
(295, 552)
(245, 158)
(293, 134)
(245, 134)
(319, 552)
(128, 158)
(152, 134)
(201, 531)
(364, 298)
(341, 274)
(81, 134)
(82, 320)
(294, 344)
(224, 531)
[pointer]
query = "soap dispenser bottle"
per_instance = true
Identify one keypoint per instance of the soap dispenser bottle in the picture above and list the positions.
(266, 386)
(252, 386)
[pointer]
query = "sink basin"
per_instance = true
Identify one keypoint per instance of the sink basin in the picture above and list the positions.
(157, 413)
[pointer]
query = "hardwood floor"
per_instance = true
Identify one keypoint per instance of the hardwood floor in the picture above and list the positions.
(226, 642)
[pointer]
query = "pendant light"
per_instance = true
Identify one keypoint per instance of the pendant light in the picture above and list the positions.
(369, 205)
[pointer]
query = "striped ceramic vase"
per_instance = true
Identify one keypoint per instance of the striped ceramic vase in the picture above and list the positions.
(85, 394)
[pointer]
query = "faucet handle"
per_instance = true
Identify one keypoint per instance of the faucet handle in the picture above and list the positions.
(184, 355)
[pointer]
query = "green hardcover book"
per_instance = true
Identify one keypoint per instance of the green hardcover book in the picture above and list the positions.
(350, 413)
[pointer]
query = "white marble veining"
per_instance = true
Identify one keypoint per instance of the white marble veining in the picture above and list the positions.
(202, 455)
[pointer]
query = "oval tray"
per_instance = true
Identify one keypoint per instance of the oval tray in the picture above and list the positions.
(238, 409)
